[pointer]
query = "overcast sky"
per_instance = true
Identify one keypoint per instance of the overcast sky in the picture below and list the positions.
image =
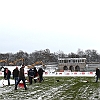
(65, 25)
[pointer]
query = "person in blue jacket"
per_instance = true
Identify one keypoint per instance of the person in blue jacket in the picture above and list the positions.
(30, 75)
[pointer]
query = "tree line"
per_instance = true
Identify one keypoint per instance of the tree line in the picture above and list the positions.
(45, 56)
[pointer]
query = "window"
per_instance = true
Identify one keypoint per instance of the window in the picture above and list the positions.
(83, 60)
(65, 61)
(73, 61)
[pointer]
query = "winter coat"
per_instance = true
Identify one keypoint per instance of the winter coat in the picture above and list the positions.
(35, 72)
(21, 73)
(40, 71)
(5, 74)
(8, 74)
(98, 72)
(30, 73)
(15, 73)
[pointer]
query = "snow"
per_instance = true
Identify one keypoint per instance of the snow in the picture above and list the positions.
(40, 98)
(4, 82)
(39, 91)
(50, 92)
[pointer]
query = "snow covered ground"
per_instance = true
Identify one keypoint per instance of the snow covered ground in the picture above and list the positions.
(56, 86)
(67, 88)
(4, 82)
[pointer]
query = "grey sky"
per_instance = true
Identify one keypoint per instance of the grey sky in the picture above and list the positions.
(65, 25)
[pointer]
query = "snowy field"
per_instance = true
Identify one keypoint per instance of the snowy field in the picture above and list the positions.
(55, 88)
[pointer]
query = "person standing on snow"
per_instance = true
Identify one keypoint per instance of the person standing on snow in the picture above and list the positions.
(35, 74)
(30, 75)
(15, 74)
(40, 73)
(5, 74)
(21, 77)
(97, 74)
(8, 74)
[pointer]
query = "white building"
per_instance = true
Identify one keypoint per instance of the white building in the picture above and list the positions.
(73, 64)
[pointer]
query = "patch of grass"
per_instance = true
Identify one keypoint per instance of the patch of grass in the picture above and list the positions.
(55, 88)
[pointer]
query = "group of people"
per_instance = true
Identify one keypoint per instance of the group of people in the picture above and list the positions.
(36, 75)
(18, 75)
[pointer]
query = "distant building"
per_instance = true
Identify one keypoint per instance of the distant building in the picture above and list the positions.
(72, 64)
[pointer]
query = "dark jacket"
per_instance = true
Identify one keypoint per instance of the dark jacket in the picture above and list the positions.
(8, 74)
(35, 72)
(15, 72)
(98, 72)
(30, 73)
(40, 71)
(5, 74)
(21, 73)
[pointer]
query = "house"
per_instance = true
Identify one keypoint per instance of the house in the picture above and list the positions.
(72, 64)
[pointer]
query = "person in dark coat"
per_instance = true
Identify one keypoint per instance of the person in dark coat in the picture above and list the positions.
(5, 74)
(21, 77)
(97, 74)
(15, 74)
(8, 74)
(40, 73)
(30, 75)
(35, 74)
